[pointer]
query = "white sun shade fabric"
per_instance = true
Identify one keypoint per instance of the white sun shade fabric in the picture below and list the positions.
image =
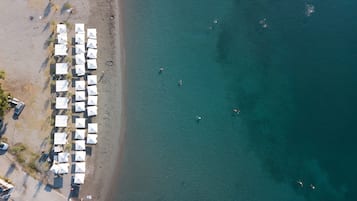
(60, 138)
(63, 157)
(61, 28)
(92, 43)
(80, 96)
(79, 38)
(80, 85)
(80, 156)
(80, 145)
(92, 139)
(92, 33)
(61, 68)
(92, 90)
(62, 38)
(79, 178)
(79, 28)
(91, 64)
(61, 85)
(79, 106)
(80, 59)
(80, 167)
(80, 122)
(80, 70)
(92, 100)
(62, 168)
(92, 128)
(92, 53)
(62, 102)
(91, 79)
(61, 121)
(92, 111)
(80, 49)
(80, 134)
(60, 50)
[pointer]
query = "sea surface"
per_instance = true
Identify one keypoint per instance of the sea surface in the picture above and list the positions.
(289, 66)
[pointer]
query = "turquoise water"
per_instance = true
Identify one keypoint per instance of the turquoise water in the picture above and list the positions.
(294, 82)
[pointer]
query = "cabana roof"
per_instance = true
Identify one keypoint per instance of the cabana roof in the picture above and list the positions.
(80, 156)
(61, 85)
(80, 49)
(79, 38)
(61, 121)
(79, 178)
(80, 85)
(60, 50)
(80, 70)
(61, 28)
(92, 90)
(79, 28)
(92, 53)
(91, 64)
(80, 59)
(80, 145)
(62, 38)
(92, 33)
(80, 122)
(60, 138)
(80, 134)
(92, 139)
(62, 103)
(92, 111)
(80, 96)
(91, 79)
(61, 68)
(92, 100)
(80, 167)
(92, 43)
(92, 128)
(63, 157)
(79, 106)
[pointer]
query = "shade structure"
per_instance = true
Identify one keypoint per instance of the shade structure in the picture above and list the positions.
(80, 167)
(92, 100)
(91, 64)
(61, 68)
(79, 178)
(80, 122)
(79, 106)
(60, 50)
(92, 111)
(80, 49)
(92, 43)
(92, 128)
(80, 70)
(80, 59)
(80, 85)
(79, 28)
(80, 145)
(60, 138)
(61, 28)
(61, 121)
(92, 90)
(92, 53)
(80, 96)
(63, 157)
(91, 79)
(79, 38)
(92, 138)
(61, 85)
(80, 134)
(80, 156)
(92, 33)
(62, 102)
(62, 38)
(62, 168)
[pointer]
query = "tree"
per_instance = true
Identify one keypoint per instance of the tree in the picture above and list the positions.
(4, 105)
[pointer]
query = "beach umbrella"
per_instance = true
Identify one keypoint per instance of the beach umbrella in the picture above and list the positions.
(92, 53)
(92, 128)
(80, 134)
(91, 64)
(92, 100)
(80, 145)
(61, 28)
(63, 168)
(80, 59)
(63, 157)
(60, 138)
(80, 156)
(79, 28)
(61, 121)
(62, 102)
(80, 123)
(79, 106)
(92, 138)
(91, 79)
(62, 38)
(80, 95)
(80, 49)
(79, 178)
(60, 50)
(80, 167)
(79, 38)
(92, 90)
(92, 43)
(80, 85)
(80, 70)
(62, 85)
(61, 68)
(92, 111)
(92, 33)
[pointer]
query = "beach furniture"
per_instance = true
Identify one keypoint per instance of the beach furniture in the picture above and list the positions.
(80, 70)
(60, 50)
(62, 38)
(62, 103)
(61, 121)
(79, 38)
(61, 28)
(79, 28)
(80, 167)
(91, 79)
(63, 157)
(80, 95)
(80, 49)
(92, 139)
(80, 145)
(80, 123)
(92, 90)
(60, 139)
(92, 33)
(92, 53)
(61, 85)
(62, 168)
(79, 178)
(80, 134)
(80, 59)
(80, 85)
(79, 106)
(80, 156)
(92, 111)
(92, 128)
(91, 64)
(61, 68)
(92, 43)
(92, 100)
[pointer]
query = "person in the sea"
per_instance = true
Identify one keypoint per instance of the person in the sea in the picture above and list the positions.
(300, 183)
(161, 70)
(236, 110)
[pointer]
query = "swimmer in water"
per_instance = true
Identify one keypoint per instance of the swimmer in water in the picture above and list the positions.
(300, 183)
(161, 70)
(180, 83)
(312, 187)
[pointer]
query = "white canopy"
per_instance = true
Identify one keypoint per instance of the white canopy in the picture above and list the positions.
(80, 167)
(61, 121)
(80, 70)
(91, 64)
(92, 111)
(92, 90)
(79, 178)
(62, 38)
(61, 28)
(92, 139)
(80, 96)
(92, 128)
(92, 100)
(92, 53)
(61, 68)
(60, 50)
(79, 106)
(79, 38)
(60, 138)
(80, 59)
(80, 156)
(61, 85)
(92, 43)
(62, 102)
(62, 168)
(80, 134)
(91, 79)
(80, 122)
(80, 85)
(80, 145)
(63, 157)
(79, 28)
(92, 33)
(80, 49)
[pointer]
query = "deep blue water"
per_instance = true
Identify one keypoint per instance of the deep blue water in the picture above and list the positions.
(294, 82)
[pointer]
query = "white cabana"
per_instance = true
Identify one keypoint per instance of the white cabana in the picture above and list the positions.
(61, 121)
(80, 106)
(92, 33)
(62, 102)
(80, 96)
(92, 43)
(79, 28)
(62, 38)
(92, 139)
(92, 53)
(61, 85)
(79, 38)
(63, 157)
(92, 111)
(80, 59)
(61, 28)
(91, 79)
(80, 122)
(60, 138)
(91, 64)
(79, 178)
(61, 68)
(92, 90)
(92, 128)
(60, 50)
(80, 167)
(80, 134)
(80, 49)
(80, 156)
(80, 85)
(80, 145)
(92, 100)
(62, 168)
(80, 70)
